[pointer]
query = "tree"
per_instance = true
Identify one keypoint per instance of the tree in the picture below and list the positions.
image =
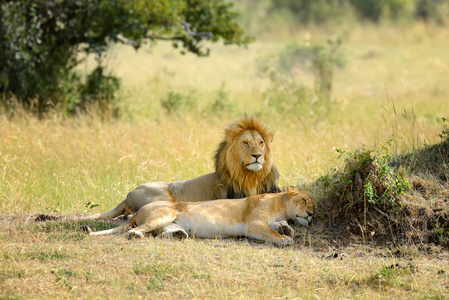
(40, 41)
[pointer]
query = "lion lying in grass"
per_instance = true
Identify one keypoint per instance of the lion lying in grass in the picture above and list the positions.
(243, 167)
(261, 217)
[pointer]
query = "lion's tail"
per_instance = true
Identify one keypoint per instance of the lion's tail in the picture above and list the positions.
(117, 211)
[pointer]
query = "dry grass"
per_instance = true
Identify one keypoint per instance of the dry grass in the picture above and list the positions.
(69, 166)
(47, 260)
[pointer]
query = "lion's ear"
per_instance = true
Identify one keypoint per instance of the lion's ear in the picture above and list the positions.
(291, 191)
(230, 128)
(227, 131)
(271, 137)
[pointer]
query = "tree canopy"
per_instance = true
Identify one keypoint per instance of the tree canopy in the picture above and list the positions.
(40, 41)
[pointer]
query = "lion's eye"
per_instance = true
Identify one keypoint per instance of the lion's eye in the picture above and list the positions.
(261, 143)
(245, 143)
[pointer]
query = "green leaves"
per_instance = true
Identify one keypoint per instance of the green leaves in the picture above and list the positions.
(368, 175)
(40, 41)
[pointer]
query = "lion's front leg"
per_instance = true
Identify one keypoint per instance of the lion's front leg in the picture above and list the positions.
(260, 231)
(283, 228)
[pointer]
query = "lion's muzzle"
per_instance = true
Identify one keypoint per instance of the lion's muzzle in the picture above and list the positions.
(254, 166)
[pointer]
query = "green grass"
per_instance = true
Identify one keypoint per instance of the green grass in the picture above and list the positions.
(394, 86)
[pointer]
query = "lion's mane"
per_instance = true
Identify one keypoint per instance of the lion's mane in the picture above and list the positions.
(238, 180)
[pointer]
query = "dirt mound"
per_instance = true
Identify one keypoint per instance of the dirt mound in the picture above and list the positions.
(380, 198)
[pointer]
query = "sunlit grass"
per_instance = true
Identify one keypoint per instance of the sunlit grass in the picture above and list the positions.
(394, 86)
(34, 265)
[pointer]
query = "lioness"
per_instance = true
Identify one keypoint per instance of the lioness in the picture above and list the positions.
(243, 167)
(261, 217)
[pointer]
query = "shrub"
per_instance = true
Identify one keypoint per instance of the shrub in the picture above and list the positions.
(289, 96)
(221, 103)
(311, 12)
(322, 11)
(366, 196)
(175, 102)
(397, 199)
(368, 177)
(322, 61)
(99, 88)
(288, 91)
(432, 10)
(375, 10)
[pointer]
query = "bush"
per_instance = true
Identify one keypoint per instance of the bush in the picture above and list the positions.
(375, 10)
(40, 41)
(311, 12)
(381, 198)
(288, 91)
(366, 195)
(291, 97)
(323, 11)
(175, 102)
(368, 177)
(99, 88)
(432, 10)
(221, 103)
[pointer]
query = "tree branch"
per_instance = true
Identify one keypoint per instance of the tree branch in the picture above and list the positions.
(193, 35)
(126, 41)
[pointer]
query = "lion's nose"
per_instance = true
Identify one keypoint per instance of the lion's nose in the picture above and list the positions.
(256, 156)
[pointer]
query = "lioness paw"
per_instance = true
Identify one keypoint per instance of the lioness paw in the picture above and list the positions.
(133, 234)
(287, 230)
(284, 241)
(283, 228)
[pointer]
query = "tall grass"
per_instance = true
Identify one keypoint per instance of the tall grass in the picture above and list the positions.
(64, 164)
(394, 86)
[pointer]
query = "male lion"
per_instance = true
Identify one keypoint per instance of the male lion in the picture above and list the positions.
(261, 217)
(243, 167)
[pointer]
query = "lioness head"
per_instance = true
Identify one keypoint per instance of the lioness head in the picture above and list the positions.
(243, 160)
(300, 206)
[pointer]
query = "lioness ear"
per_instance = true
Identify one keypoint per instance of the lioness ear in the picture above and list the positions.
(291, 191)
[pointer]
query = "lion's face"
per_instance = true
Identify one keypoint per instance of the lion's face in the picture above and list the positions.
(300, 206)
(243, 160)
(250, 148)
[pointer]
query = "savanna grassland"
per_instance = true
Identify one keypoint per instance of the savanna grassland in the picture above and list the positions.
(394, 86)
